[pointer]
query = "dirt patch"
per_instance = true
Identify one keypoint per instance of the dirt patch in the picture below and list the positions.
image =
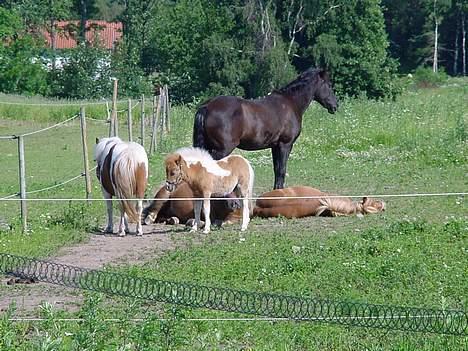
(99, 251)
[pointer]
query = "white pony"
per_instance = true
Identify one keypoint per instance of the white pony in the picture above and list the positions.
(122, 169)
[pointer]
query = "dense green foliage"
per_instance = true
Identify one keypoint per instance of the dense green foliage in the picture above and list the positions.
(202, 48)
(18, 72)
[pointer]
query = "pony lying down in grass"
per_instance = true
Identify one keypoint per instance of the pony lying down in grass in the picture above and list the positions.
(163, 210)
(122, 170)
(323, 205)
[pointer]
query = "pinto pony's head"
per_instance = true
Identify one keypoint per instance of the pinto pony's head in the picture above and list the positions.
(175, 166)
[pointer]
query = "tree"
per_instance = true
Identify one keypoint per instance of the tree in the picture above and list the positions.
(351, 41)
(86, 75)
(21, 70)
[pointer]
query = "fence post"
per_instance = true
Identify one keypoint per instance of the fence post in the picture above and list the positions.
(162, 93)
(156, 111)
(115, 131)
(129, 120)
(109, 119)
(22, 175)
(142, 121)
(168, 110)
(85, 151)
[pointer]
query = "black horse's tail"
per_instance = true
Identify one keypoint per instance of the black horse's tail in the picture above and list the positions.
(199, 128)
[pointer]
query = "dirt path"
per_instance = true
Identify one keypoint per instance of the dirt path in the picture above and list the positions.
(99, 251)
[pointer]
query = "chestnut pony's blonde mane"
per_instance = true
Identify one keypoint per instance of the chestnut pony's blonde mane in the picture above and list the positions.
(342, 206)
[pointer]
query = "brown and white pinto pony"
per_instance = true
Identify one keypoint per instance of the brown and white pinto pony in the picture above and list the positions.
(122, 169)
(322, 205)
(163, 210)
(207, 177)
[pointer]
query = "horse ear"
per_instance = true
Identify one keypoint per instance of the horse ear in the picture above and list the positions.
(179, 160)
(97, 140)
(324, 74)
(364, 200)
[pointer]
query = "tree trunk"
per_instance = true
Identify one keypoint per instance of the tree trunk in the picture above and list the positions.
(435, 66)
(455, 58)
(83, 19)
(53, 41)
(463, 45)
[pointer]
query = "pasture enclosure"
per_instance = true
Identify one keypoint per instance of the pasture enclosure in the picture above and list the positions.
(158, 120)
(414, 254)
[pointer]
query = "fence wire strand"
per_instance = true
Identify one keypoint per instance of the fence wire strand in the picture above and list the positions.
(412, 319)
(50, 127)
(59, 104)
(253, 198)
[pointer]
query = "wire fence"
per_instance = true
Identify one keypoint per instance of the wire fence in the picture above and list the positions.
(53, 104)
(111, 119)
(254, 198)
(348, 313)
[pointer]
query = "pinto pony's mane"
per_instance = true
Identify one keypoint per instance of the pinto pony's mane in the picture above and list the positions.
(193, 155)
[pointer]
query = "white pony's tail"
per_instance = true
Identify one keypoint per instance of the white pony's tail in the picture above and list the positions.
(130, 177)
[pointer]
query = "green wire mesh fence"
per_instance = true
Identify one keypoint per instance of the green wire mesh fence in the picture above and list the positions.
(261, 304)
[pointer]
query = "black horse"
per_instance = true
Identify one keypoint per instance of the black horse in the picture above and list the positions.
(226, 122)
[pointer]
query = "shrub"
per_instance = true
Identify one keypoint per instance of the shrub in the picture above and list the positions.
(424, 77)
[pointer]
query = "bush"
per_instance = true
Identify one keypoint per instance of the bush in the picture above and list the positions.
(424, 77)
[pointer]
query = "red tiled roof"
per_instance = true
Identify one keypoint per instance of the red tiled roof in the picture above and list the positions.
(108, 33)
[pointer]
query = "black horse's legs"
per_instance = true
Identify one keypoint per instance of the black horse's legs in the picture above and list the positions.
(280, 155)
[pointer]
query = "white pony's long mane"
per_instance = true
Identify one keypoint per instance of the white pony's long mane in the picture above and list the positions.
(193, 155)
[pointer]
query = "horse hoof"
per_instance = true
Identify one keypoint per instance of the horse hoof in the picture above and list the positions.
(108, 231)
(206, 231)
(173, 221)
(149, 219)
(121, 234)
(139, 233)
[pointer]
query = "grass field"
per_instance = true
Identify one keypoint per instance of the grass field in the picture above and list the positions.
(414, 254)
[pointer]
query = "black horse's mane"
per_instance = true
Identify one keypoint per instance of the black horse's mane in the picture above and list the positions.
(302, 81)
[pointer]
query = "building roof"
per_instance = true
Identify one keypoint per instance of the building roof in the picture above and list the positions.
(108, 33)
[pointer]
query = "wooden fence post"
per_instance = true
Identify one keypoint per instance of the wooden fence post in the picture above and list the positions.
(162, 94)
(109, 119)
(156, 112)
(115, 130)
(168, 110)
(142, 121)
(129, 120)
(85, 151)
(22, 176)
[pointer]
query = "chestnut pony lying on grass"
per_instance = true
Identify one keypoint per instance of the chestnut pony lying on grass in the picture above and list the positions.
(163, 210)
(324, 205)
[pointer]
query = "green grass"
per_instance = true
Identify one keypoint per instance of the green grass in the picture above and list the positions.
(414, 254)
